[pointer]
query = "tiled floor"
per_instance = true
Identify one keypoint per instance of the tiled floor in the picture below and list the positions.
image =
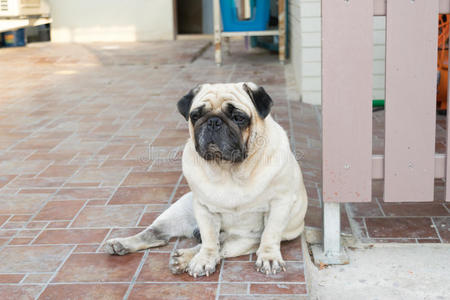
(90, 144)
(382, 222)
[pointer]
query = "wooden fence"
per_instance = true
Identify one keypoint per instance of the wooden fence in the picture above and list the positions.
(409, 164)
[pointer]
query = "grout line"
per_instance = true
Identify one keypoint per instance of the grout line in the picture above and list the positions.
(40, 232)
(7, 220)
(365, 227)
(104, 240)
(141, 216)
(219, 283)
(136, 274)
(436, 229)
(44, 169)
(56, 271)
(380, 207)
(175, 190)
(118, 185)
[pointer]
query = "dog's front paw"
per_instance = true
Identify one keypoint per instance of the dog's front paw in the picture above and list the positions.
(116, 247)
(269, 261)
(203, 264)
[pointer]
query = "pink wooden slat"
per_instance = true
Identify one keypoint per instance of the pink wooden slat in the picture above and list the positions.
(379, 7)
(411, 58)
(347, 100)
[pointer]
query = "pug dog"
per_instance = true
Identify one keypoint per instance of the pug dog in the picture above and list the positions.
(247, 192)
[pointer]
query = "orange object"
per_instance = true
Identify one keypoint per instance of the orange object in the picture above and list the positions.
(444, 25)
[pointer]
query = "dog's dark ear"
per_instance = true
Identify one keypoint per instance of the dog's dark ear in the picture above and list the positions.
(184, 104)
(260, 99)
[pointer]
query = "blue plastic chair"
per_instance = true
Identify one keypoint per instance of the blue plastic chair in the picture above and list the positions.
(258, 21)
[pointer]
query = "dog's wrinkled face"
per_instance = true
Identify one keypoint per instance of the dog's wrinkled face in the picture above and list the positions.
(221, 117)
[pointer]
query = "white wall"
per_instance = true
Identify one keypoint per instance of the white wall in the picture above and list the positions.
(112, 20)
(305, 50)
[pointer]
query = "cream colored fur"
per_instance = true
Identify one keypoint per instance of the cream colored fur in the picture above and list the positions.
(239, 208)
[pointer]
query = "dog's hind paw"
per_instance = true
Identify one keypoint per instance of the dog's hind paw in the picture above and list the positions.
(116, 247)
(178, 262)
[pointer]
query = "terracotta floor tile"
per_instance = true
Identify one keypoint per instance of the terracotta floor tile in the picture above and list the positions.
(39, 182)
(415, 210)
(245, 272)
(181, 190)
(170, 141)
(281, 289)
(82, 184)
(11, 278)
(63, 156)
(84, 291)
(20, 241)
(152, 178)
(148, 218)
(22, 259)
(98, 267)
(20, 218)
(108, 216)
(166, 166)
(5, 179)
(141, 195)
(3, 241)
(156, 268)
(371, 209)
(38, 278)
(233, 288)
(292, 250)
(239, 258)
(125, 163)
(400, 228)
(14, 225)
(60, 210)
(115, 150)
(37, 191)
(59, 171)
(20, 204)
(22, 292)
(58, 224)
(71, 236)
(443, 226)
(37, 224)
(38, 144)
(86, 248)
(107, 176)
(83, 193)
(259, 297)
(123, 232)
(28, 233)
(192, 291)
(3, 219)
(179, 133)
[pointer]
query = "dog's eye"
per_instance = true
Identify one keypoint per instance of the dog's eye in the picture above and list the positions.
(195, 116)
(238, 119)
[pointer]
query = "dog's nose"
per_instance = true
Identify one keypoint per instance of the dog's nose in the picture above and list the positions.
(214, 123)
